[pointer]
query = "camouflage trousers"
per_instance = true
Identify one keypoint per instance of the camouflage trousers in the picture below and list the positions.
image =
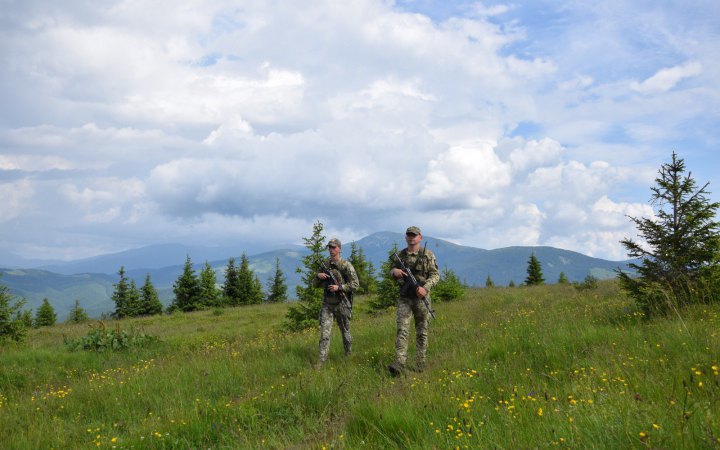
(408, 308)
(342, 317)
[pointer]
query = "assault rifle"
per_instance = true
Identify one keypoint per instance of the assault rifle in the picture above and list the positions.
(343, 296)
(411, 284)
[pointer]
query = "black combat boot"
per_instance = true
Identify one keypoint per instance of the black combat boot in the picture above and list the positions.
(396, 369)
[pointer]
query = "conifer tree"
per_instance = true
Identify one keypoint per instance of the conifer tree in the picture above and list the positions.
(12, 326)
(534, 272)
(133, 305)
(245, 280)
(449, 287)
(363, 268)
(277, 289)
(563, 279)
(209, 292)
(121, 295)
(26, 318)
(45, 315)
(489, 282)
(388, 288)
(590, 282)
(149, 299)
(231, 285)
(304, 313)
(372, 280)
(681, 250)
(258, 296)
(77, 314)
(511, 283)
(249, 287)
(187, 289)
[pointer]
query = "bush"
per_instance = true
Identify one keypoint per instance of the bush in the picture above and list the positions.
(101, 339)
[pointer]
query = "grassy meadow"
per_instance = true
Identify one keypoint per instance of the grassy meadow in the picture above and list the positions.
(540, 367)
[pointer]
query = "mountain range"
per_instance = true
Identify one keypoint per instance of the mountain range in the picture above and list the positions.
(91, 280)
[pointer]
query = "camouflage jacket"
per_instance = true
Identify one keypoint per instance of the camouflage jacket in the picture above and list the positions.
(345, 274)
(423, 265)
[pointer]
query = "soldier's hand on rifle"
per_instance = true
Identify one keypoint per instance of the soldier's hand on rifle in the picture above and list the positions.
(333, 288)
(323, 276)
(421, 292)
(397, 273)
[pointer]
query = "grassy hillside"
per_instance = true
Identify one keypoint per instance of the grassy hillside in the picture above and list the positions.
(508, 368)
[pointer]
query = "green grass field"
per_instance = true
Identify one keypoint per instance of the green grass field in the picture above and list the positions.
(540, 367)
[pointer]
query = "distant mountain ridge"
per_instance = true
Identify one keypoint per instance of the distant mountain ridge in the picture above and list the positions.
(91, 280)
(149, 257)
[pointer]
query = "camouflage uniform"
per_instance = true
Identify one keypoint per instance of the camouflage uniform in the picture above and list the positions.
(333, 307)
(425, 269)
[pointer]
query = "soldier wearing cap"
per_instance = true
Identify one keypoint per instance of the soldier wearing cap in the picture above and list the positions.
(333, 307)
(410, 305)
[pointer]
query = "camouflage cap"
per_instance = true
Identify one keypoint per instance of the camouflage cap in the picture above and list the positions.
(335, 242)
(413, 230)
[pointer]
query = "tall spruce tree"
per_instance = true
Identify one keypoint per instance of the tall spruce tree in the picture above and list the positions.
(387, 289)
(45, 315)
(534, 272)
(305, 312)
(133, 305)
(277, 289)
(231, 285)
(249, 287)
(122, 295)
(258, 296)
(187, 289)
(363, 268)
(149, 299)
(77, 314)
(680, 251)
(12, 326)
(210, 294)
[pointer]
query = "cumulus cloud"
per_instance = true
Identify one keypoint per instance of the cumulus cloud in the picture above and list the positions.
(604, 224)
(464, 177)
(108, 200)
(138, 122)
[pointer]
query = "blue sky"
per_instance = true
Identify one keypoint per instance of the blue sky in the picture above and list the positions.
(489, 124)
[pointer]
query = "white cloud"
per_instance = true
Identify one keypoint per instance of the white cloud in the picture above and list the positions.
(668, 78)
(15, 197)
(131, 122)
(532, 154)
(464, 177)
(33, 163)
(109, 200)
